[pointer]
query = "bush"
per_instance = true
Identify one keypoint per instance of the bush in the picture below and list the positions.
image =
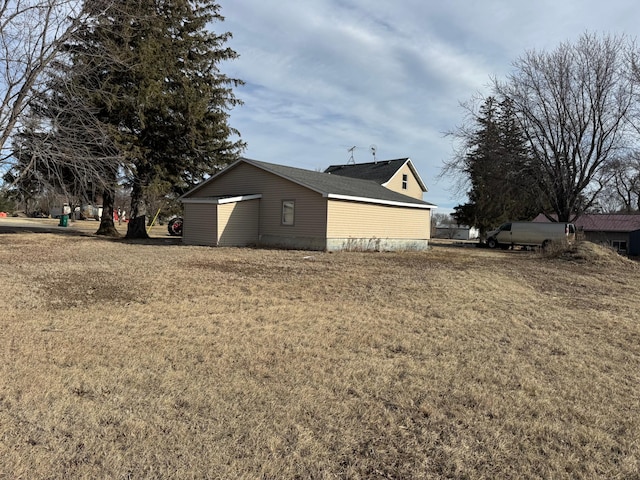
(6, 204)
(557, 249)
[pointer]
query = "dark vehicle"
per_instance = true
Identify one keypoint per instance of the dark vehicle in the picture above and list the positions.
(175, 226)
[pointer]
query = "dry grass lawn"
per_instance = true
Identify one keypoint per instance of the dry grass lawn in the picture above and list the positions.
(147, 360)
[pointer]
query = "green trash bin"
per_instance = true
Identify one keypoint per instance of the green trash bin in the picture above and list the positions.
(64, 220)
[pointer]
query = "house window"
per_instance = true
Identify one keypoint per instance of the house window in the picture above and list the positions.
(288, 210)
(619, 246)
(404, 181)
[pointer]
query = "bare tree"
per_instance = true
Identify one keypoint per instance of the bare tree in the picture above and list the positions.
(32, 33)
(622, 193)
(63, 145)
(573, 105)
(442, 219)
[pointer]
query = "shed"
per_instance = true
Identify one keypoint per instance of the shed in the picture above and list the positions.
(456, 232)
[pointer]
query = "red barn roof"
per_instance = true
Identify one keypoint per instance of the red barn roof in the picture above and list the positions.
(612, 222)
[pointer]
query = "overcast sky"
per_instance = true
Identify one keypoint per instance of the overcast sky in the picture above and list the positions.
(325, 75)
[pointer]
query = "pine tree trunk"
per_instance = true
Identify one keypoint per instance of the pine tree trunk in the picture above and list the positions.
(137, 227)
(107, 227)
(137, 223)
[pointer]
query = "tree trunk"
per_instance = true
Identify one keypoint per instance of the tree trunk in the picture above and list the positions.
(137, 226)
(107, 227)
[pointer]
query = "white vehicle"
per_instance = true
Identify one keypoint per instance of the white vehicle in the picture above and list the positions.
(91, 211)
(530, 234)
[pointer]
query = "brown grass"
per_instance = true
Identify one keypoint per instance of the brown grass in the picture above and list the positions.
(122, 360)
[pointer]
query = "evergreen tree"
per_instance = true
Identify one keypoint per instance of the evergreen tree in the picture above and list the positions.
(520, 173)
(499, 169)
(149, 74)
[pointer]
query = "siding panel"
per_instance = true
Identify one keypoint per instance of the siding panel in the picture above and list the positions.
(413, 187)
(200, 224)
(245, 179)
(352, 219)
(238, 223)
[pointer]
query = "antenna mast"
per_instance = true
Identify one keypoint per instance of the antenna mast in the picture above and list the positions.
(373, 150)
(351, 159)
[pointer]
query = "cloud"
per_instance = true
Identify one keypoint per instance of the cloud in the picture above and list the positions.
(324, 75)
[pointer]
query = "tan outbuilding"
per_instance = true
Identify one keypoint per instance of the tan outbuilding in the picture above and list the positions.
(264, 204)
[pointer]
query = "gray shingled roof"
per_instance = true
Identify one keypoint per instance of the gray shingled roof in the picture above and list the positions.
(379, 172)
(327, 184)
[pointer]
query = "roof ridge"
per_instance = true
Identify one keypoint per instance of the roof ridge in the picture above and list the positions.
(370, 163)
(326, 183)
(323, 183)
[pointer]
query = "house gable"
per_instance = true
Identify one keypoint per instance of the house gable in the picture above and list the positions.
(244, 179)
(397, 175)
(406, 181)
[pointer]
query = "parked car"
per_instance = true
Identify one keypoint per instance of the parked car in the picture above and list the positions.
(175, 226)
(530, 234)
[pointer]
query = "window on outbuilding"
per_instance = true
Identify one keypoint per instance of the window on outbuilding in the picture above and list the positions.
(288, 212)
(619, 246)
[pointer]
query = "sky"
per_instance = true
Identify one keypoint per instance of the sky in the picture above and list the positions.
(322, 76)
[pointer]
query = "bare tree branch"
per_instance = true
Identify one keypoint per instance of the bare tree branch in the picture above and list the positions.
(32, 33)
(573, 104)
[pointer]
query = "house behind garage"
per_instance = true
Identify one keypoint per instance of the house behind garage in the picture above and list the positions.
(398, 175)
(456, 232)
(619, 231)
(264, 204)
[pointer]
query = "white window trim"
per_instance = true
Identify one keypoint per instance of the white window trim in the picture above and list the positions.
(293, 213)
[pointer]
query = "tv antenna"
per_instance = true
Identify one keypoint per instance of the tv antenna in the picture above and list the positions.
(351, 159)
(373, 149)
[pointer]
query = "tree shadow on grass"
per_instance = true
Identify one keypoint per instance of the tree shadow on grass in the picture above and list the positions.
(70, 231)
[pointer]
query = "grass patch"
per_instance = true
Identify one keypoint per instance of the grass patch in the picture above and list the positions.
(140, 361)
